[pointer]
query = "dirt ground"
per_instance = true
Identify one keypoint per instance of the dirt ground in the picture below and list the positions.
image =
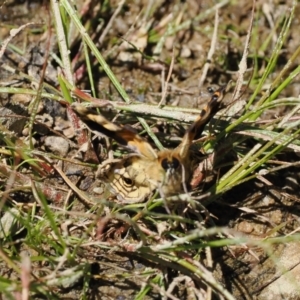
(261, 208)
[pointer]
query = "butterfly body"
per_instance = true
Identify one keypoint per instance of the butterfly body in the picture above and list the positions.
(134, 177)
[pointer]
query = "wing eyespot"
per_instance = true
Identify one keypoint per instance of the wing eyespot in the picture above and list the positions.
(128, 181)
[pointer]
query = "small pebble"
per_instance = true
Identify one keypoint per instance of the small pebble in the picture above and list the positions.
(57, 145)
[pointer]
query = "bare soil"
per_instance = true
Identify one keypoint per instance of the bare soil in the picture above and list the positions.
(253, 209)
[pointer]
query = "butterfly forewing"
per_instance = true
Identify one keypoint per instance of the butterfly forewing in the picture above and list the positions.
(124, 135)
(196, 129)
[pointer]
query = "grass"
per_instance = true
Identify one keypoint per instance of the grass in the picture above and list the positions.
(54, 249)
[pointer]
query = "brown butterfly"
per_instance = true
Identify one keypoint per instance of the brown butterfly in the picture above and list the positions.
(135, 176)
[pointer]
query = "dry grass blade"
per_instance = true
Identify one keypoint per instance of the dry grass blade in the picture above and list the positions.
(243, 62)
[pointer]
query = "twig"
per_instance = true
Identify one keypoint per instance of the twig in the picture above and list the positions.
(243, 62)
(64, 51)
(109, 24)
(211, 50)
(177, 113)
(12, 34)
(165, 86)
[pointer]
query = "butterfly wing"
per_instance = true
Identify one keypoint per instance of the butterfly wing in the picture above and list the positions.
(125, 136)
(196, 129)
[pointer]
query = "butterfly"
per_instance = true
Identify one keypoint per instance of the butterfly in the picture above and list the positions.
(134, 177)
